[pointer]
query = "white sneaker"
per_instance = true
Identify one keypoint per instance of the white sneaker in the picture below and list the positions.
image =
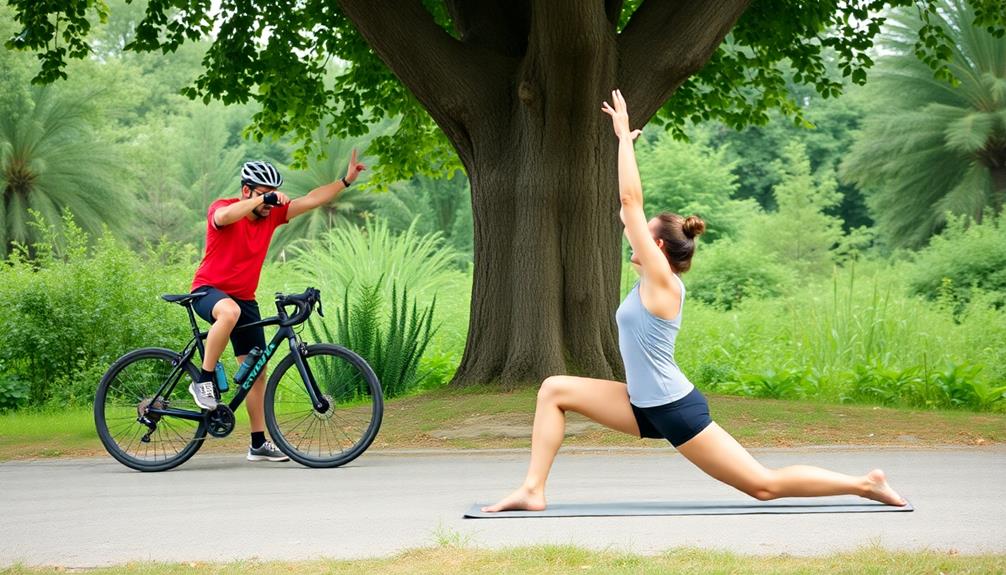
(204, 394)
(268, 452)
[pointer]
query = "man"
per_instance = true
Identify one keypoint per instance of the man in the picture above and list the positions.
(238, 233)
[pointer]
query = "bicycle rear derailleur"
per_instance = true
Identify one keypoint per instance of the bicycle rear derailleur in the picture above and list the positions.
(220, 421)
(150, 419)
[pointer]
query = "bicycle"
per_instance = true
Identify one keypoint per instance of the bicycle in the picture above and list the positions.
(147, 420)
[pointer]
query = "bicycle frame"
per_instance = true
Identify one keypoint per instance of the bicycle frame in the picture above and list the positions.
(286, 332)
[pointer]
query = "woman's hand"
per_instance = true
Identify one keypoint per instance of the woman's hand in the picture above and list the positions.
(619, 116)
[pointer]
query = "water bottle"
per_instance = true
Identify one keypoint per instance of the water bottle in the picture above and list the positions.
(221, 377)
(247, 365)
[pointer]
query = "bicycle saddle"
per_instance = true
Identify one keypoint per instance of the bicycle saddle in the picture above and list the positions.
(182, 299)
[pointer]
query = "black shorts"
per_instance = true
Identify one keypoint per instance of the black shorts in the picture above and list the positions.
(677, 421)
(241, 340)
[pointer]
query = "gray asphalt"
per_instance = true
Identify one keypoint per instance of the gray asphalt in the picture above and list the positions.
(84, 513)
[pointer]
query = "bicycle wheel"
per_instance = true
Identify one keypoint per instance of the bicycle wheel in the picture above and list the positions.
(341, 433)
(130, 385)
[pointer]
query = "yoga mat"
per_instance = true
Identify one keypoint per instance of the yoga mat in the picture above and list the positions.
(630, 508)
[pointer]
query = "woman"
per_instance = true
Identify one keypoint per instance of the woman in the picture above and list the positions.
(659, 401)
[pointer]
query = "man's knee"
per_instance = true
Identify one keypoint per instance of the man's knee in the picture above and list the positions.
(227, 312)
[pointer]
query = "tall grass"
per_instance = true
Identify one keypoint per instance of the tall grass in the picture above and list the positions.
(350, 258)
(858, 337)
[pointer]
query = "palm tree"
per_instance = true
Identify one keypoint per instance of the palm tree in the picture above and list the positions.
(49, 163)
(932, 147)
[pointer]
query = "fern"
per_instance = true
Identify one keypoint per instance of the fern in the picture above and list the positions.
(393, 349)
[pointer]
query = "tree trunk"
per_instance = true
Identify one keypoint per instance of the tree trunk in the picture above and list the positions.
(545, 204)
(998, 177)
(547, 234)
(518, 93)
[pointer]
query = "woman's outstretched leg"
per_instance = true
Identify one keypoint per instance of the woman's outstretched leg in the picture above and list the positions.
(718, 454)
(606, 402)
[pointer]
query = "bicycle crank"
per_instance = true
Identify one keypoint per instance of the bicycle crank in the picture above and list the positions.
(220, 421)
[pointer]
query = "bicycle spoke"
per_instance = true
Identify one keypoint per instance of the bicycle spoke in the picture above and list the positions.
(342, 431)
(141, 380)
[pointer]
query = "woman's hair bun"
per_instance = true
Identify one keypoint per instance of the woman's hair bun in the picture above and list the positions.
(693, 227)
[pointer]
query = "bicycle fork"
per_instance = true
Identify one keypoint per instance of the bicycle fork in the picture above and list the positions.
(299, 351)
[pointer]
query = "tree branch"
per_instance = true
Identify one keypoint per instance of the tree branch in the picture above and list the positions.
(499, 26)
(451, 80)
(667, 41)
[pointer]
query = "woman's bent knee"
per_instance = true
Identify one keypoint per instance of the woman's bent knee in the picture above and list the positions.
(762, 489)
(552, 388)
(762, 494)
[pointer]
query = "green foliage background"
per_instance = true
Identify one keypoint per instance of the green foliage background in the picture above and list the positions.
(797, 290)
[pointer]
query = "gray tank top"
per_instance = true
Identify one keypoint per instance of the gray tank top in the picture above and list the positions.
(647, 345)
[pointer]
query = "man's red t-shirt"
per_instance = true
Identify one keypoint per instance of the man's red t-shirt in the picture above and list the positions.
(235, 253)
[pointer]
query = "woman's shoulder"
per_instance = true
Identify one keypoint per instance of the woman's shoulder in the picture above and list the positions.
(662, 299)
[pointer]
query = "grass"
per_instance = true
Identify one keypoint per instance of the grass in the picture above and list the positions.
(858, 331)
(449, 559)
(487, 419)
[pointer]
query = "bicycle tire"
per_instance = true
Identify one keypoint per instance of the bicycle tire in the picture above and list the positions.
(353, 420)
(131, 380)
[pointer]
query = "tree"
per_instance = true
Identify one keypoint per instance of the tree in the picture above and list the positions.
(515, 89)
(934, 146)
(756, 149)
(15, 70)
(48, 165)
(179, 165)
(691, 178)
(800, 233)
(433, 205)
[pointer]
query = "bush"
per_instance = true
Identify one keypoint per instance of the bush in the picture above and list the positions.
(69, 312)
(728, 272)
(859, 338)
(13, 391)
(374, 256)
(966, 257)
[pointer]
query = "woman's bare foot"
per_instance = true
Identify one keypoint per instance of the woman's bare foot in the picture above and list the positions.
(523, 499)
(879, 490)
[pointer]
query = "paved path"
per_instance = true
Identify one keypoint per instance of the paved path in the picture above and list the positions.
(91, 512)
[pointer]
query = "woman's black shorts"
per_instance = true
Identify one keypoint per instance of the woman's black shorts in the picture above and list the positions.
(677, 421)
(241, 340)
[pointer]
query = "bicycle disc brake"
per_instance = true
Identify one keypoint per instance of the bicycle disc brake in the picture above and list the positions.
(220, 421)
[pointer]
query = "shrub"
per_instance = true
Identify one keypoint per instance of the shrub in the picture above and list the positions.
(965, 257)
(13, 391)
(858, 338)
(344, 259)
(878, 383)
(728, 272)
(72, 310)
(374, 256)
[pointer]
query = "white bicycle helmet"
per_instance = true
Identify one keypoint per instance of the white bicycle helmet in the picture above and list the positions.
(260, 174)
